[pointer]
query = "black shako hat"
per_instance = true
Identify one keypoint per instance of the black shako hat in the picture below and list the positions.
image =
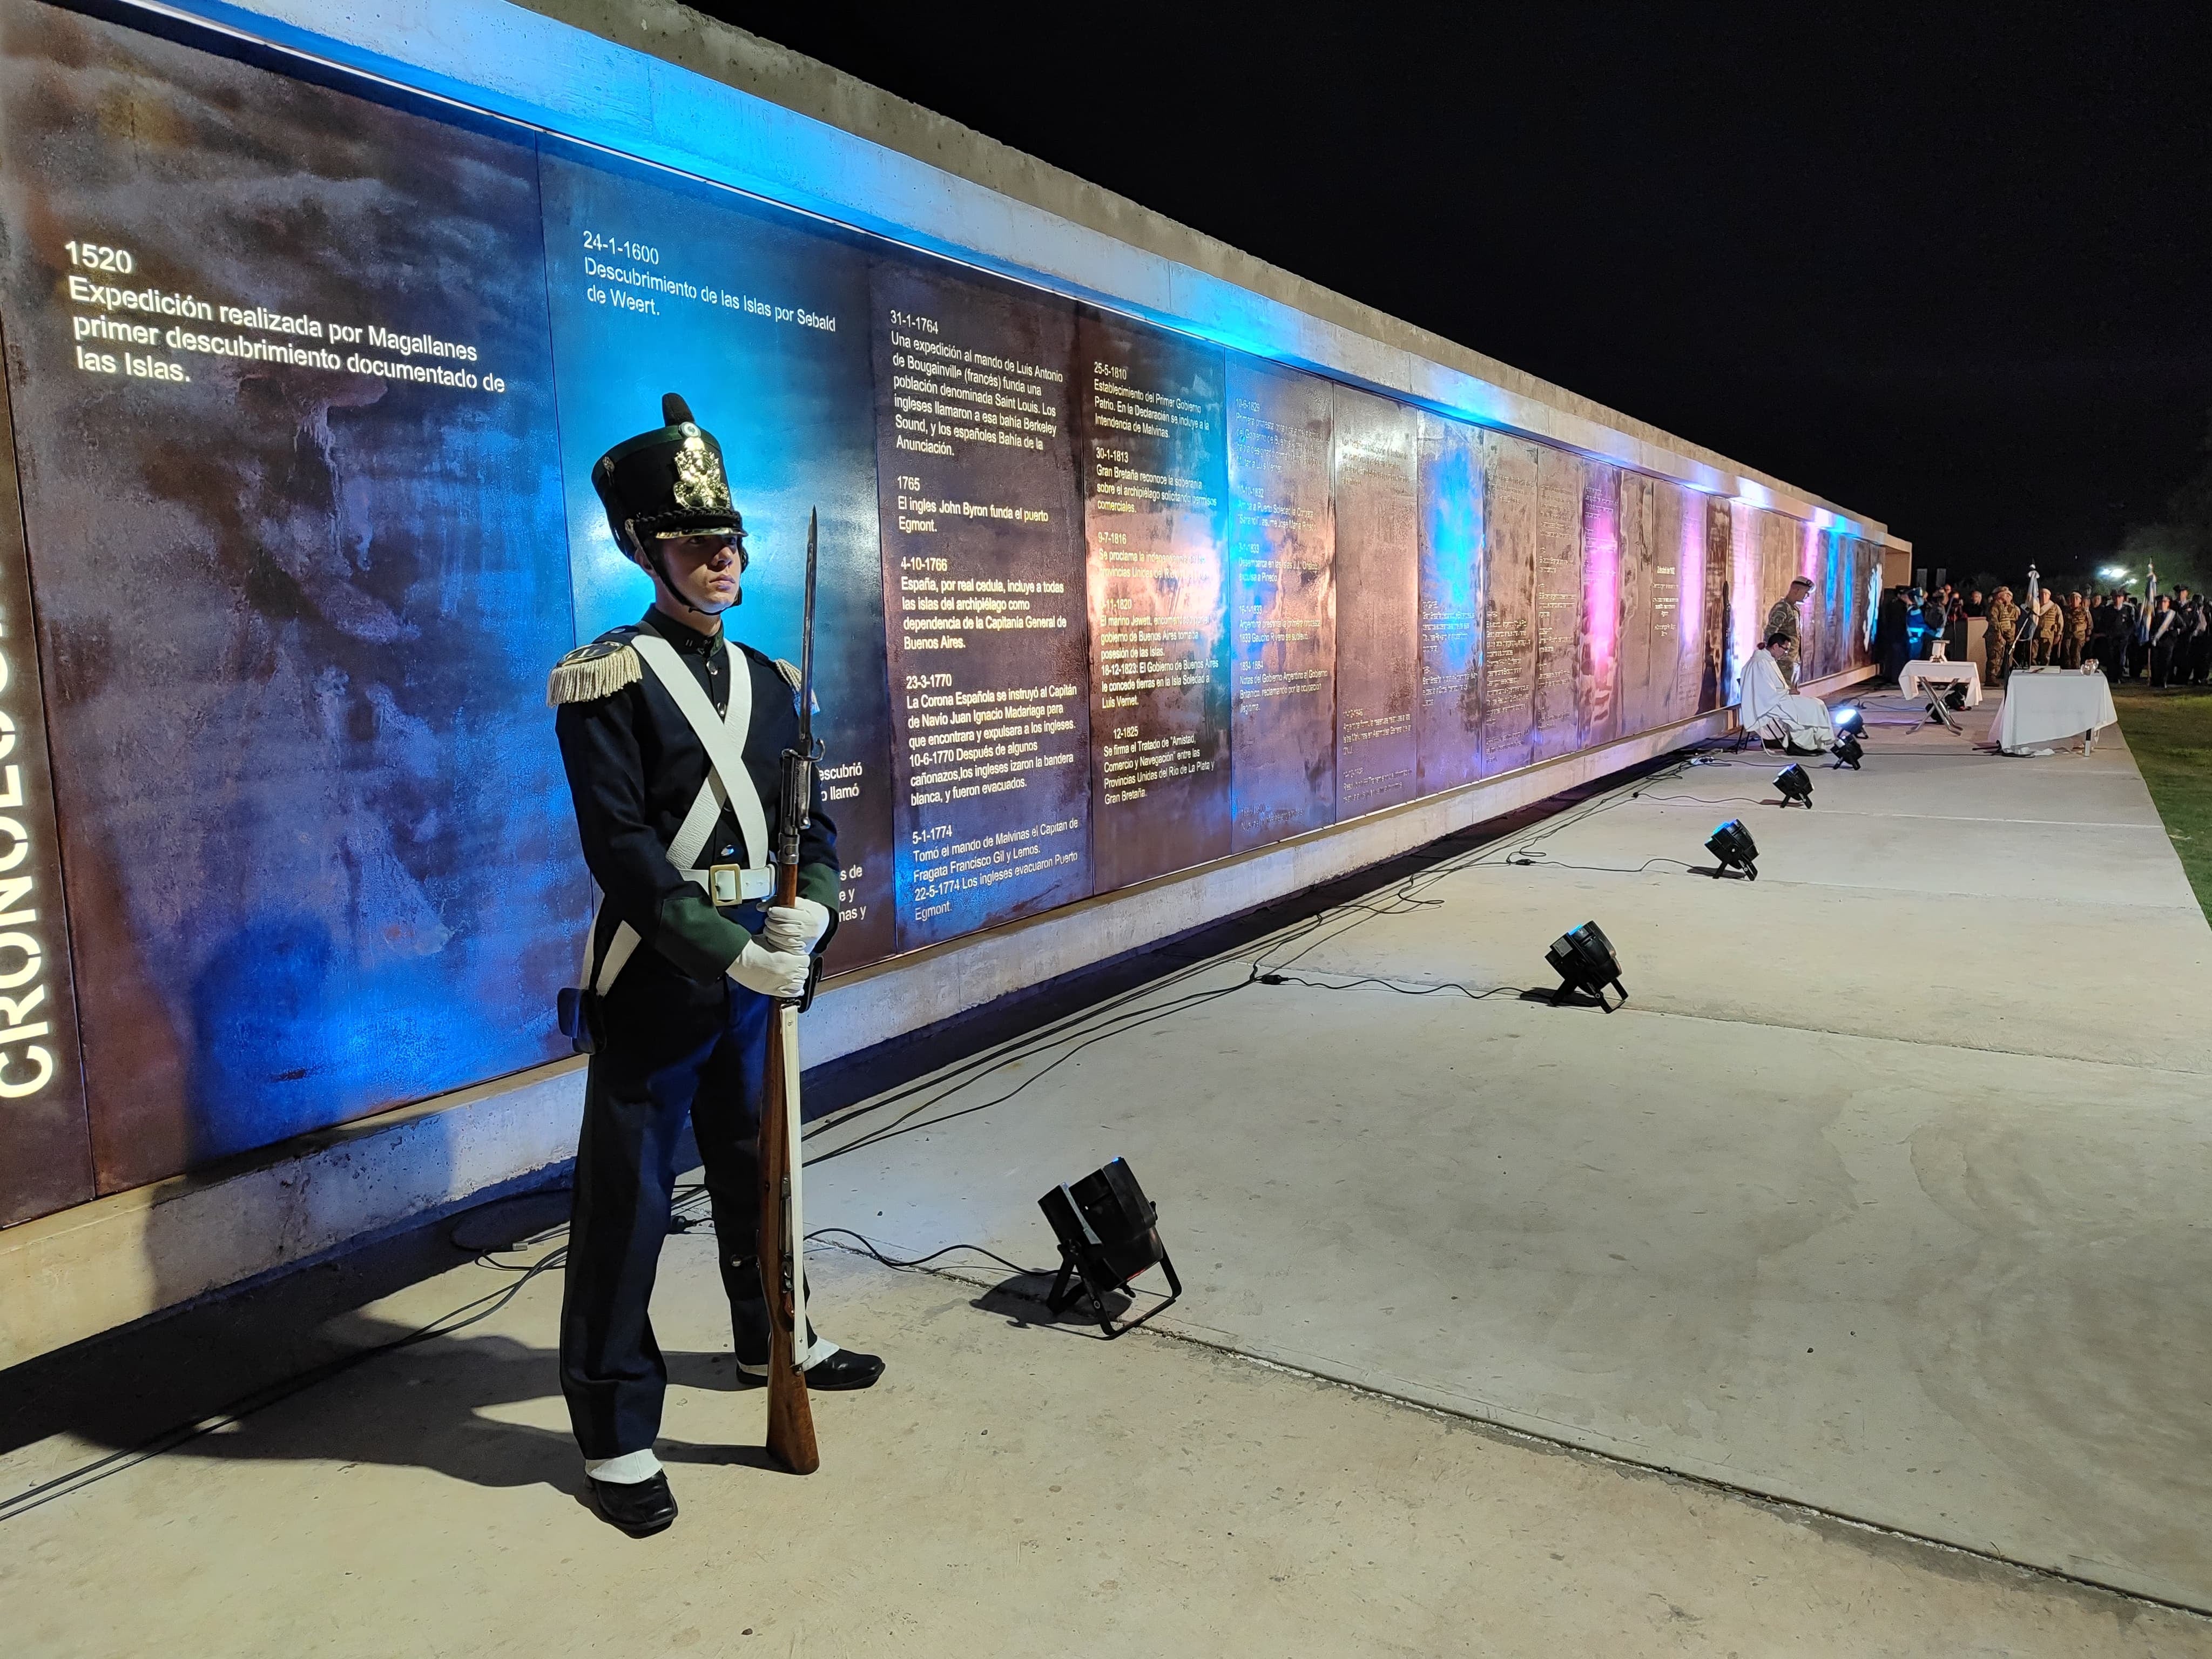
(668, 482)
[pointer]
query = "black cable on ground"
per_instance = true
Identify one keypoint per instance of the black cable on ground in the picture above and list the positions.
(920, 1264)
(1403, 900)
(868, 1247)
(1316, 932)
(1119, 1018)
(907, 1125)
(1392, 985)
(1544, 861)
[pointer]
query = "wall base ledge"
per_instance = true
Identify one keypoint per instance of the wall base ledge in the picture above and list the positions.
(89, 1269)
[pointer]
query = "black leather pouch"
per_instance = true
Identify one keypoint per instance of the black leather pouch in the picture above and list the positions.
(583, 1019)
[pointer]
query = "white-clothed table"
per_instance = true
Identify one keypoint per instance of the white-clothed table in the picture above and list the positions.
(1913, 675)
(1771, 708)
(2045, 706)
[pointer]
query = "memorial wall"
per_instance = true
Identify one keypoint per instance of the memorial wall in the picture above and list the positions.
(304, 379)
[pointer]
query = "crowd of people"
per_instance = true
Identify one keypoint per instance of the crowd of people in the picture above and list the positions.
(2167, 641)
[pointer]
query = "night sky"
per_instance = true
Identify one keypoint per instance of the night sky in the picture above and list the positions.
(1952, 272)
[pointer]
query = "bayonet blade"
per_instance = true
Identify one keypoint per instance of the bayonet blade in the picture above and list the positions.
(806, 643)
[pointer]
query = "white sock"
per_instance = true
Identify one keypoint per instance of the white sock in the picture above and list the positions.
(628, 1470)
(822, 1348)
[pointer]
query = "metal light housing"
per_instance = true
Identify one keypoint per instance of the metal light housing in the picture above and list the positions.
(1109, 1234)
(1584, 961)
(1731, 843)
(1796, 784)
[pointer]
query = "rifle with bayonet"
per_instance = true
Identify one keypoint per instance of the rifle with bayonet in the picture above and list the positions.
(783, 1231)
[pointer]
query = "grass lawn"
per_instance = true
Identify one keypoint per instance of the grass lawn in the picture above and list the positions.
(2170, 734)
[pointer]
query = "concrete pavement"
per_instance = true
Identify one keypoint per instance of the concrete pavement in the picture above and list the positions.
(1010, 1489)
(1882, 1199)
(1883, 1195)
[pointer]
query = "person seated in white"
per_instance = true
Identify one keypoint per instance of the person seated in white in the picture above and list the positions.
(1777, 714)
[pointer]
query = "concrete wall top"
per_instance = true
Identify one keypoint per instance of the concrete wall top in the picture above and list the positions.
(654, 79)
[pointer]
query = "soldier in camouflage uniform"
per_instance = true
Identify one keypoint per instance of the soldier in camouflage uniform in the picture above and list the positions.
(1782, 624)
(2076, 637)
(2004, 629)
(2049, 630)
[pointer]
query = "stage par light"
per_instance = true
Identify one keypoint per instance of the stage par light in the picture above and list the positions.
(1848, 721)
(1848, 752)
(1731, 843)
(1109, 1234)
(1796, 784)
(1584, 961)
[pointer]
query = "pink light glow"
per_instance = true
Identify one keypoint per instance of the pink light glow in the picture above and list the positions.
(1601, 580)
(1690, 571)
(1744, 613)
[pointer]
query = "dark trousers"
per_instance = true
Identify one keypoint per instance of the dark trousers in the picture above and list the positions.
(2162, 660)
(674, 1049)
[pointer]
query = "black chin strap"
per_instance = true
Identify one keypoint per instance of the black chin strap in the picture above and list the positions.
(659, 570)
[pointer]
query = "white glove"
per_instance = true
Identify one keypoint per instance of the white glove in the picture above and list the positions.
(772, 973)
(795, 926)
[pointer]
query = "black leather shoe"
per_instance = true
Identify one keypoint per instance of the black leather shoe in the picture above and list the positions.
(640, 1508)
(845, 1370)
(840, 1372)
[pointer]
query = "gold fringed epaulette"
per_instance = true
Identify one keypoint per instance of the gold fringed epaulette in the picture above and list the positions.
(791, 673)
(590, 671)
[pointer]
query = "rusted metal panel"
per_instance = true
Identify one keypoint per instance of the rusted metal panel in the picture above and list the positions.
(1716, 682)
(1151, 445)
(983, 577)
(1282, 605)
(1376, 464)
(45, 1136)
(1511, 616)
(1453, 553)
(1560, 478)
(298, 590)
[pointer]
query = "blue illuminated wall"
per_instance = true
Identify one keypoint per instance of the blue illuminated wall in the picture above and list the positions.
(1162, 597)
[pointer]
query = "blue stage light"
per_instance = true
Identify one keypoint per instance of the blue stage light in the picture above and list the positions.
(1731, 843)
(1584, 961)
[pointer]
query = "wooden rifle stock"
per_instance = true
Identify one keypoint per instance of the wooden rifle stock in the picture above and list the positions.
(790, 1415)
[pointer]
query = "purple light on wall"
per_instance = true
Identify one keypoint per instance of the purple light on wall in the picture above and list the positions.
(1690, 572)
(1744, 612)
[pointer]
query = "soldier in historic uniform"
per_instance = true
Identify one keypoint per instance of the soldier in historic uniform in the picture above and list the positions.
(2004, 629)
(1782, 622)
(671, 733)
